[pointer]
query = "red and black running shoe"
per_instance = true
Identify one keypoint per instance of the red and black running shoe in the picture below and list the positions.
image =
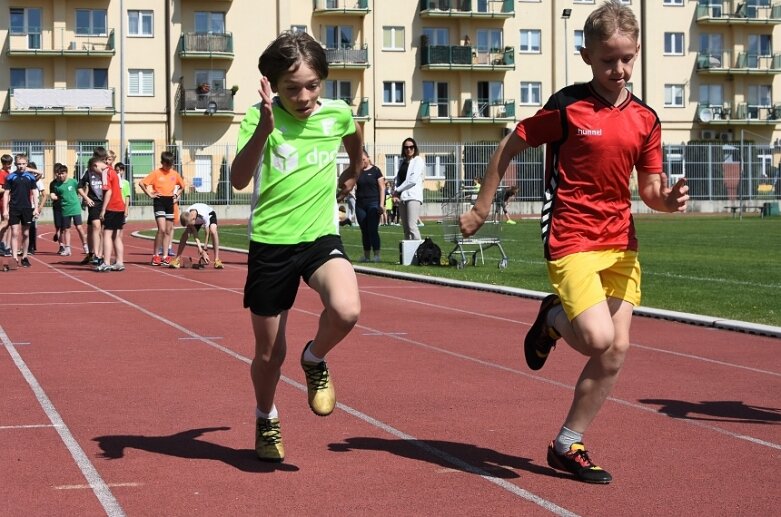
(541, 338)
(577, 462)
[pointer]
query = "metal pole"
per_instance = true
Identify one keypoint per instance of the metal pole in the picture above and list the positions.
(566, 55)
(122, 82)
(740, 179)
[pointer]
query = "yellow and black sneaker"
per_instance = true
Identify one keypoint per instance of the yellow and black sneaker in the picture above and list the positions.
(319, 388)
(268, 440)
(541, 338)
(577, 462)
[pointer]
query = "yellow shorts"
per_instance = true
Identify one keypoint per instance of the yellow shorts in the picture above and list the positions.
(585, 279)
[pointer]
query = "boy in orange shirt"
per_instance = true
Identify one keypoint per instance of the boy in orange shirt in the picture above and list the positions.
(163, 185)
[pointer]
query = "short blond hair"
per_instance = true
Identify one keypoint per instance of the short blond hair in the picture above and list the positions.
(609, 18)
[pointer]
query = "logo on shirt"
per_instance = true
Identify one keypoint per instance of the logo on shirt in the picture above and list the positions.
(328, 126)
(284, 157)
(589, 132)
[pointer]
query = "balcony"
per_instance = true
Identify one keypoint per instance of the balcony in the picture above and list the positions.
(62, 101)
(341, 8)
(464, 58)
(467, 9)
(206, 45)
(361, 113)
(60, 42)
(454, 111)
(743, 114)
(738, 13)
(347, 58)
(721, 62)
(212, 103)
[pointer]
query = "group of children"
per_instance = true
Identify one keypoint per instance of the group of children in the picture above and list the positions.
(104, 192)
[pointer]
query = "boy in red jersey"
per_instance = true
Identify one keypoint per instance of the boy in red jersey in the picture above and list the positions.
(112, 215)
(163, 185)
(596, 134)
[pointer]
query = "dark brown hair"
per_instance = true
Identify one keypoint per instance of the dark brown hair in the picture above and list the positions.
(412, 140)
(288, 51)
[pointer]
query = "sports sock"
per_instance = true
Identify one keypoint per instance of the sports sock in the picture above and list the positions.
(566, 438)
(309, 357)
(267, 416)
(550, 318)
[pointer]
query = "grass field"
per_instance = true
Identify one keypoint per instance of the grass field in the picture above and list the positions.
(701, 264)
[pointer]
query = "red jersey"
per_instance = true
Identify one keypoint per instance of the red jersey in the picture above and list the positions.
(592, 149)
(116, 203)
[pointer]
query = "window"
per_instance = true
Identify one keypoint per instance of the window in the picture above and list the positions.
(673, 43)
(582, 1)
(34, 150)
(530, 41)
(27, 78)
(27, 21)
(84, 150)
(393, 38)
(711, 95)
(673, 95)
(531, 93)
(489, 40)
(436, 94)
(673, 2)
(140, 158)
(91, 78)
(338, 90)
(91, 22)
(437, 165)
(393, 92)
(437, 35)
(140, 23)
(338, 36)
(580, 41)
(214, 78)
(209, 22)
(759, 96)
(140, 82)
(298, 28)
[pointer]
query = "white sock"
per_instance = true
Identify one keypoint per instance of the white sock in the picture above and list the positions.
(309, 357)
(267, 416)
(566, 438)
(553, 313)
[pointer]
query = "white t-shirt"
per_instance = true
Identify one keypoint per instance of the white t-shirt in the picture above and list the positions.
(203, 211)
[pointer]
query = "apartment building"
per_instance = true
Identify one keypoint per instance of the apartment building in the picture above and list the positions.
(139, 75)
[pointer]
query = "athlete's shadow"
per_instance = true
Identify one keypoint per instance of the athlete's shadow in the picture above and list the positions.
(186, 444)
(717, 411)
(464, 457)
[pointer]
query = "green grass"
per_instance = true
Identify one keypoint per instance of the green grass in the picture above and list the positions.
(709, 265)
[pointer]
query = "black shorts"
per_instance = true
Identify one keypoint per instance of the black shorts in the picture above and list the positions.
(164, 207)
(68, 219)
(212, 220)
(93, 212)
(113, 220)
(57, 214)
(20, 216)
(275, 270)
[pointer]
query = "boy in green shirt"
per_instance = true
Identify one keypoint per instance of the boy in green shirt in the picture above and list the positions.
(65, 191)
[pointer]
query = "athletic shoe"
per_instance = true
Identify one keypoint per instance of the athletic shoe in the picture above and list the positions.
(96, 261)
(103, 267)
(363, 259)
(510, 221)
(86, 260)
(156, 260)
(118, 267)
(25, 262)
(218, 264)
(31, 252)
(61, 250)
(268, 440)
(166, 261)
(577, 462)
(376, 258)
(175, 263)
(319, 388)
(66, 252)
(541, 338)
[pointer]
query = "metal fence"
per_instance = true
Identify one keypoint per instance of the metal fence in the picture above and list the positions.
(717, 171)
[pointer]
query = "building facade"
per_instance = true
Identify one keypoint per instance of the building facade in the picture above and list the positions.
(143, 75)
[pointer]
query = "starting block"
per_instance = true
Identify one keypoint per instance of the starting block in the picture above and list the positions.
(200, 264)
(9, 264)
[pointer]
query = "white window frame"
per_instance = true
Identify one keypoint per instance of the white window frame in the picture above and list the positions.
(673, 3)
(674, 43)
(674, 96)
(28, 80)
(141, 74)
(141, 16)
(339, 86)
(91, 31)
(526, 45)
(531, 88)
(579, 40)
(210, 17)
(391, 34)
(396, 87)
(435, 169)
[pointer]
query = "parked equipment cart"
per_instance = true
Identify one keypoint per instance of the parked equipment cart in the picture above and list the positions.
(466, 248)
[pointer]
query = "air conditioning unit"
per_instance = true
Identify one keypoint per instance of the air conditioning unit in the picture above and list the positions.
(725, 136)
(709, 134)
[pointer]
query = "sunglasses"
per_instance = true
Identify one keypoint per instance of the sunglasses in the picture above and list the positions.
(409, 147)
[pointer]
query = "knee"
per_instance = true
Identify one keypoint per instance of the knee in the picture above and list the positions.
(269, 359)
(346, 317)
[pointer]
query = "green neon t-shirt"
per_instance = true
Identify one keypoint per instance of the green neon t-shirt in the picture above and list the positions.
(295, 189)
(69, 197)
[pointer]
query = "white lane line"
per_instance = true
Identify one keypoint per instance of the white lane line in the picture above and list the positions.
(456, 462)
(26, 426)
(82, 487)
(96, 483)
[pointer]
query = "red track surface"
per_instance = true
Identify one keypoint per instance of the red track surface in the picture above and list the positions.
(129, 393)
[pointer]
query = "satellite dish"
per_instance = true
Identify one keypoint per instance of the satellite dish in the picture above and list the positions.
(706, 115)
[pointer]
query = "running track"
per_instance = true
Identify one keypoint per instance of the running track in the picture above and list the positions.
(129, 394)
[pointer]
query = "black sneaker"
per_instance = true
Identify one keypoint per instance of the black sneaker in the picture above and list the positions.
(25, 262)
(540, 338)
(87, 259)
(577, 462)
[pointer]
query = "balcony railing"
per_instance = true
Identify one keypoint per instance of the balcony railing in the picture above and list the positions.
(347, 57)
(341, 7)
(467, 8)
(738, 12)
(206, 44)
(213, 102)
(62, 101)
(721, 62)
(360, 107)
(743, 113)
(60, 42)
(469, 111)
(460, 57)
